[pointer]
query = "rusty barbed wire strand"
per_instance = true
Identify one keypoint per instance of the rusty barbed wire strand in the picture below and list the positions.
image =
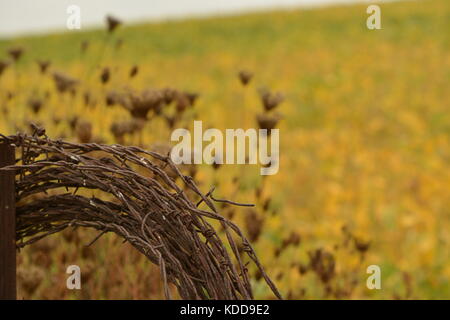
(136, 199)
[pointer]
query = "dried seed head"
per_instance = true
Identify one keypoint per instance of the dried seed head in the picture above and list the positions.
(134, 71)
(112, 23)
(73, 122)
(270, 100)
(266, 204)
(293, 239)
(98, 139)
(216, 165)
(84, 131)
(259, 191)
(361, 245)
(258, 275)
(192, 97)
(323, 264)
(3, 65)
(112, 97)
(158, 108)
(303, 268)
(89, 99)
(16, 53)
(43, 65)
(105, 75)
(64, 82)
(35, 104)
(120, 129)
(171, 120)
(137, 124)
(182, 103)
(140, 104)
(169, 95)
(254, 224)
(245, 76)
(9, 95)
(268, 122)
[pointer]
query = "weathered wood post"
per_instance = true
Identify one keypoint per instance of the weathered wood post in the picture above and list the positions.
(7, 225)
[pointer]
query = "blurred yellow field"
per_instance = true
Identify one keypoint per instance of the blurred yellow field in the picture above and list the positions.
(365, 142)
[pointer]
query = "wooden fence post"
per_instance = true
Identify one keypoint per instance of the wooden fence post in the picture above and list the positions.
(7, 225)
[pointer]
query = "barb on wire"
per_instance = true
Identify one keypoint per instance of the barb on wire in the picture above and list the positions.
(231, 202)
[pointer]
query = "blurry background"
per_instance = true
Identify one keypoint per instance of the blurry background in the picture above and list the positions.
(28, 16)
(364, 124)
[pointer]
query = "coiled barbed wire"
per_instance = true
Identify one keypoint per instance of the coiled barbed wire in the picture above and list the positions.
(138, 200)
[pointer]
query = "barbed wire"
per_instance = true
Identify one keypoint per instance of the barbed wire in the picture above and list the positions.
(137, 198)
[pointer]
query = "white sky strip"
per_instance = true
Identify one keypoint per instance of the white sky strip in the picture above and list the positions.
(40, 16)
